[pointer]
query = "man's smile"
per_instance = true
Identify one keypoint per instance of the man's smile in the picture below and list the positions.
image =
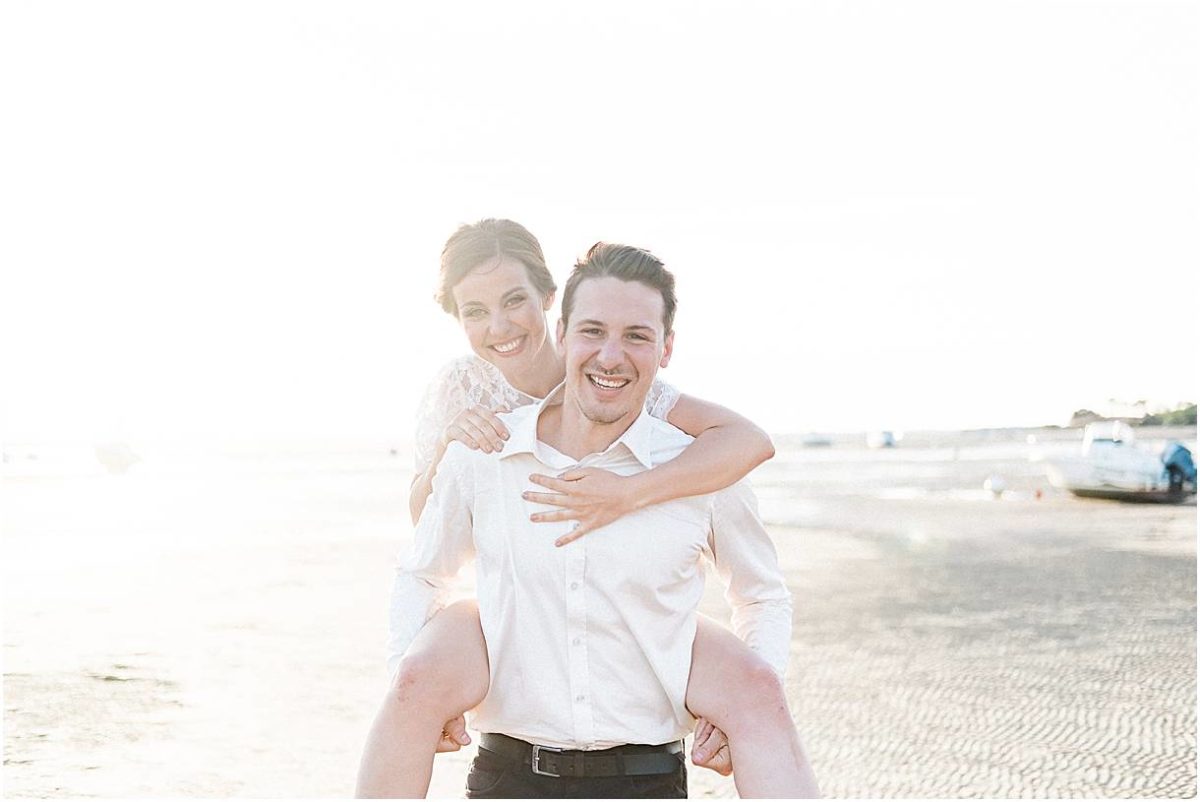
(607, 382)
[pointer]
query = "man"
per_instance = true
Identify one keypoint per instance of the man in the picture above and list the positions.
(590, 645)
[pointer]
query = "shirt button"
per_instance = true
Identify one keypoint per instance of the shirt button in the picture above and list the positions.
(574, 586)
(577, 641)
(579, 698)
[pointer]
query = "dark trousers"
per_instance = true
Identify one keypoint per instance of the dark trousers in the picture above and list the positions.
(495, 777)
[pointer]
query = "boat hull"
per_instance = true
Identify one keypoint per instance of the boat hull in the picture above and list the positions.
(1137, 496)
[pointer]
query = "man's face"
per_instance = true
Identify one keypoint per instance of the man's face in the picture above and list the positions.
(614, 345)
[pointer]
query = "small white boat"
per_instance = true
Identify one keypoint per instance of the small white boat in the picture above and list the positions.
(881, 440)
(1111, 464)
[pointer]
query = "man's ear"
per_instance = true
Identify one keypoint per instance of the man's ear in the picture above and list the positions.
(548, 301)
(562, 331)
(668, 345)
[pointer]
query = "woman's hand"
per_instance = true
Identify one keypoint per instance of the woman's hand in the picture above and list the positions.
(710, 748)
(592, 496)
(477, 428)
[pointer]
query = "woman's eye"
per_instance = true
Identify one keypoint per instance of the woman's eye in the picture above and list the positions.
(516, 300)
(473, 314)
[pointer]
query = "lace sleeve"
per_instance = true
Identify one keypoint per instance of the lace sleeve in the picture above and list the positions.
(464, 382)
(442, 400)
(661, 399)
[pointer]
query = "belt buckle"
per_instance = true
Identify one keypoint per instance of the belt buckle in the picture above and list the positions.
(537, 750)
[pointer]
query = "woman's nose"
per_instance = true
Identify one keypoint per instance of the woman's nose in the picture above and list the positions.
(498, 323)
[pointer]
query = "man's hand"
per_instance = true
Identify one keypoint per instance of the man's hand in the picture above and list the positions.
(710, 749)
(454, 735)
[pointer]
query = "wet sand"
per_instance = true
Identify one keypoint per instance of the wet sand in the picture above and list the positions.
(219, 631)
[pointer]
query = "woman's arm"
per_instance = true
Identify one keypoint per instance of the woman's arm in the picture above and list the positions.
(727, 447)
(477, 428)
(422, 486)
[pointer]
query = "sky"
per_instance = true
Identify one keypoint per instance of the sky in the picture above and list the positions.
(224, 219)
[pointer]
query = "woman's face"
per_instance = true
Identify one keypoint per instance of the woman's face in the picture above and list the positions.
(503, 315)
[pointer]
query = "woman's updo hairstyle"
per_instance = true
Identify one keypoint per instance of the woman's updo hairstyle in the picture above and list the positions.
(474, 244)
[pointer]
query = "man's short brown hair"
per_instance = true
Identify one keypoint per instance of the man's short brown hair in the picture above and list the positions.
(628, 264)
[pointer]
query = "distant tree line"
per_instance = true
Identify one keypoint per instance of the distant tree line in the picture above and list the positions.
(1183, 416)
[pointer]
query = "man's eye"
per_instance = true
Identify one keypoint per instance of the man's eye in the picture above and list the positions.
(590, 332)
(639, 337)
(473, 314)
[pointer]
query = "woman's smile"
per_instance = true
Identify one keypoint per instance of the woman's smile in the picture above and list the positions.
(510, 347)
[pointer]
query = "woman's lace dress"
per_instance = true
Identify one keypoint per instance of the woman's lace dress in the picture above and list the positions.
(470, 381)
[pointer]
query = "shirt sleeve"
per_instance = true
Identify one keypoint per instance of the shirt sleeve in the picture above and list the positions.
(443, 542)
(745, 559)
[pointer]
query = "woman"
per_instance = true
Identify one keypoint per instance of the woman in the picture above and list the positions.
(495, 281)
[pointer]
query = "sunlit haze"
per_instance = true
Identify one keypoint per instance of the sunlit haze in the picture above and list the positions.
(224, 219)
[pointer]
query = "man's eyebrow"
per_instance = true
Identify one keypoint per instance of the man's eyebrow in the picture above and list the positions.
(634, 327)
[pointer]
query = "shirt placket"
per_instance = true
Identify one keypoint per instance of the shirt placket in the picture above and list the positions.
(577, 642)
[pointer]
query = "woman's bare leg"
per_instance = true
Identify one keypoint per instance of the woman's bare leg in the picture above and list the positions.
(743, 696)
(444, 673)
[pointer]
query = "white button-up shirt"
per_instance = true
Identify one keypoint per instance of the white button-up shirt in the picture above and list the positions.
(590, 644)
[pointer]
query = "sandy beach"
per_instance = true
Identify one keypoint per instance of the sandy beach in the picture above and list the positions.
(213, 624)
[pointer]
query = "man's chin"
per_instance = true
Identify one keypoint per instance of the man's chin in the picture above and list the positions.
(604, 416)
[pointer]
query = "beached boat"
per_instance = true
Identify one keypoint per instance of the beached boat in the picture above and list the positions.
(1112, 464)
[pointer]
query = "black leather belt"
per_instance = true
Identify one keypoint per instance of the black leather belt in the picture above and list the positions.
(620, 761)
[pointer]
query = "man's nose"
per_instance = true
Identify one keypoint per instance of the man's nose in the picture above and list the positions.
(611, 354)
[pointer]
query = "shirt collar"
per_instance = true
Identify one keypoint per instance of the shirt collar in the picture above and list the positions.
(523, 434)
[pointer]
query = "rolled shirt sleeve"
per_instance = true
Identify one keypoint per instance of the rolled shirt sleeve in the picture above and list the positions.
(442, 544)
(746, 561)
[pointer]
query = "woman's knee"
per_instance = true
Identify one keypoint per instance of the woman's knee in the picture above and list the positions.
(424, 685)
(418, 678)
(756, 692)
(447, 666)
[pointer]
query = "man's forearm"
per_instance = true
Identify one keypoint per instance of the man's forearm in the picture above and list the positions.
(413, 603)
(766, 627)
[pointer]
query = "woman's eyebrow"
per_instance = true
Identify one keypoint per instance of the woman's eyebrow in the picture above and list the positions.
(473, 302)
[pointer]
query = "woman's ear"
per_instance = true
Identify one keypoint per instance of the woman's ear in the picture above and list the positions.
(548, 301)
